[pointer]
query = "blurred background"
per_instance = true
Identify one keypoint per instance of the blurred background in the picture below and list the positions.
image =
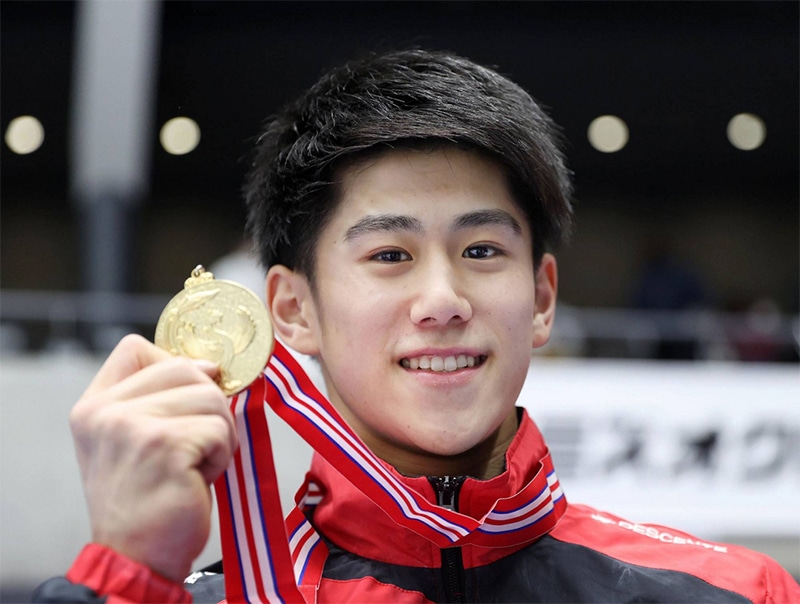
(669, 392)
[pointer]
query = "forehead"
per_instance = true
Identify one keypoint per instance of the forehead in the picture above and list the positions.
(430, 185)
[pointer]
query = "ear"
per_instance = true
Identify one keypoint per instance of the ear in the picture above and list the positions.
(546, 293)
(293, 309)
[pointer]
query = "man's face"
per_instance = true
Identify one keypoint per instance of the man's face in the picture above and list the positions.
(424, 309)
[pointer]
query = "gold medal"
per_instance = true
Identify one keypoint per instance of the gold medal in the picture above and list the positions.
(220, 321)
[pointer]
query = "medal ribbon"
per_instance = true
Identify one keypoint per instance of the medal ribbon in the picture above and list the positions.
(282, 562)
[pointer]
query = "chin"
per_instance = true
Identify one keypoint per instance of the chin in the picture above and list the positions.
(448, 445)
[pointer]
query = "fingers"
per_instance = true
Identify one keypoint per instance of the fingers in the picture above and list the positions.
(140, 381)
(134, 354)
(190, 402)
(136, 368)
(165, 375)
(211, 446)
(129, 356)
(195, 402)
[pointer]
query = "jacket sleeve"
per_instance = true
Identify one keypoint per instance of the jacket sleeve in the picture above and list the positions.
(59, 589)
(100, 574)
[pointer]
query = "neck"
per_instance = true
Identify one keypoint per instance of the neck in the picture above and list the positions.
(485, 460)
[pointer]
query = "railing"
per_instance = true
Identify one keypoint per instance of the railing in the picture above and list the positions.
(33, 320)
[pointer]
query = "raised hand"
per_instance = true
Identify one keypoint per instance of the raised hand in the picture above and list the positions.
(152, 432)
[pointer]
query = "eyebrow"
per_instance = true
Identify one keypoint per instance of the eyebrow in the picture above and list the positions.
(382, 223)
(481, 218)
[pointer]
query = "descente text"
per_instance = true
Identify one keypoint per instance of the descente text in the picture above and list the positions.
(664, 537)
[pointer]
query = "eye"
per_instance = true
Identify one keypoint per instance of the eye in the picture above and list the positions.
(480, 251)
(391, 256)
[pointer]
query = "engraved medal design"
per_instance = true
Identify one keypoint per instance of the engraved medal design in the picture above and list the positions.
(220, 321)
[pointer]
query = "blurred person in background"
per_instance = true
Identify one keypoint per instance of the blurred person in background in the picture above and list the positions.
(665, 283)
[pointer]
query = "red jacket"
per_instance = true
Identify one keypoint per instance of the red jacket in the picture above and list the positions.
(589, 556)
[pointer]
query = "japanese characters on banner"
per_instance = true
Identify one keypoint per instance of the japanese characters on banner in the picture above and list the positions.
(713, 449)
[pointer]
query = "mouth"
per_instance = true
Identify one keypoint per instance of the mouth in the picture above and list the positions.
(438, 364)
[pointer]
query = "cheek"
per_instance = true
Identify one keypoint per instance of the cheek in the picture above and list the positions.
(356, 321)
(514, 307)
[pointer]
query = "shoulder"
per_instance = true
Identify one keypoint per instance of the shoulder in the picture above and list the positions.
(737, 569)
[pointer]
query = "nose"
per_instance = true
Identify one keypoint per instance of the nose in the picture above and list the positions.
(440, 297)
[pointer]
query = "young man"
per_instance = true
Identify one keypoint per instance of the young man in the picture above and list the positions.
(408, 207)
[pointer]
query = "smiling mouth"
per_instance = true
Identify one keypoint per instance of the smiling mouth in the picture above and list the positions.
(442, 364)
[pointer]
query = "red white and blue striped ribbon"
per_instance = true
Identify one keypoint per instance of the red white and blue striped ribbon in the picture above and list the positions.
(273, 558)
(255, 546)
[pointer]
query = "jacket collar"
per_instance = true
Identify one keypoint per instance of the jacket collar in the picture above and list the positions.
(514, 508)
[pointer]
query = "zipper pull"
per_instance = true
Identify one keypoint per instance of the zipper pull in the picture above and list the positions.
(447, 490)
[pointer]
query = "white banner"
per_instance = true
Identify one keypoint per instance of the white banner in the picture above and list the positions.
(712, 449)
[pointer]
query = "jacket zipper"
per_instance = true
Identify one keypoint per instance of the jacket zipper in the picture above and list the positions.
(447, 488)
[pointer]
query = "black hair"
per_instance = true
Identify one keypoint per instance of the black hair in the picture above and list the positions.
(409, 98)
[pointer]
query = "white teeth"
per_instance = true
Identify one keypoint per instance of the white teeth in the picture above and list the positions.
(439, 364)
